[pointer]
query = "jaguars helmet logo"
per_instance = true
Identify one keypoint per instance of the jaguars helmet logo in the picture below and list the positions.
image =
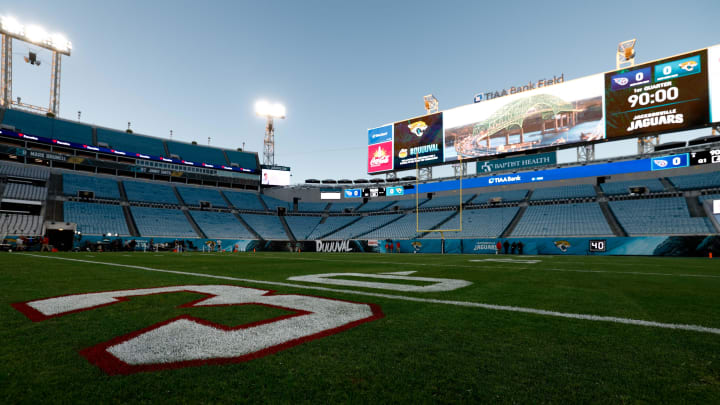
(688, 66)
(418, 128)
(563, 245)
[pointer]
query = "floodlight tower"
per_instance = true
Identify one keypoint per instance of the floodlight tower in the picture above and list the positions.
(269, 111)
(11, 29)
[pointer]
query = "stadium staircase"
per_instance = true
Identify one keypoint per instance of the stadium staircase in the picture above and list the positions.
(287, 228)
(696, 210)
(224, 197)
(177, 194)
(94, 136)
(132, 228)
(511, 226)
(611, 220)
(55, 211)
(249, 228)
(667, 184)
(194, 224)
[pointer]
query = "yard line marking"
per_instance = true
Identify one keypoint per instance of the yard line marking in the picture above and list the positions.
(567, 315)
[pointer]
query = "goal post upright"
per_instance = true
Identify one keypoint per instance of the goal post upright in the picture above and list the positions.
(417, 203)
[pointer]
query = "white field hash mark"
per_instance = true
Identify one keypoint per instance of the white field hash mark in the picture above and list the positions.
(567, 315)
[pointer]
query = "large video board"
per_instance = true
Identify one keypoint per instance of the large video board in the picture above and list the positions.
(673, 94)
(561, 114)
(662, 96)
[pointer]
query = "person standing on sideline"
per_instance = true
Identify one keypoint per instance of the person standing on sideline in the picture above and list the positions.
(498, 247)
(520, 247)
(45, 244)
(506, 245)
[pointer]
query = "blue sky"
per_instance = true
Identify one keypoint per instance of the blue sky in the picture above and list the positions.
(339, 67)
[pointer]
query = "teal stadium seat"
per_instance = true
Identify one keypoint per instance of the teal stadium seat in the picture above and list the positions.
(39, 125)
(125, 142)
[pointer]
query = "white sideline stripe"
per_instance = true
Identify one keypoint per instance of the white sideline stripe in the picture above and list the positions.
(626, 321)
(496, 267)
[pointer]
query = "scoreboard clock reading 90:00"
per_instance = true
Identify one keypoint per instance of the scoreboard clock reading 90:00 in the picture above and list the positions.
(666, 95)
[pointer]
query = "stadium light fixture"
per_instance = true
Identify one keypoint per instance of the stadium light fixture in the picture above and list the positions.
(266, 109)
(35, 34)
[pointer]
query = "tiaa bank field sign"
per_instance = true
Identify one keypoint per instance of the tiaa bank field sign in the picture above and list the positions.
(515, 163)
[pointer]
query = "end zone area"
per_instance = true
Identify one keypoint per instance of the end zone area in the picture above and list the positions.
(550, 329)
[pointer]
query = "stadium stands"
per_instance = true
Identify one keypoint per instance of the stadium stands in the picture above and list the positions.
(409, 203)
(267, 226)
(96, 219)
(131, 143)
(481, 223)
(273, 203)
(221, 225)
(658, 216)
(20, 225)
(38, 125)
(137, 191)
(312, 206)
(245, 201)
(302, 226)
(696, 181)
(20, 191)
(363, 226)
(563, 192)
(579, 219)
(22, 171)
(340, 207)
(162, 222)
(246, 160)
(372, 206)
(406, 227)
(331, 224)
(101, 186)
(623, 187)
(447, 201)
(197, 153)
(193, 195)
(506, 196)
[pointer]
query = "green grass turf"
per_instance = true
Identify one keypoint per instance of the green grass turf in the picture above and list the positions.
(419, 352)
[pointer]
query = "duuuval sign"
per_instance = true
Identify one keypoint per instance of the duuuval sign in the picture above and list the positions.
(515, 163)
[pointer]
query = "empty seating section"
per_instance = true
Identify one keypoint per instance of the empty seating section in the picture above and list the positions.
(244, 201)
(101, 186)
(273, 203)
(363, 226)
(330, 225)
(505, 195)
(193, 195)
(696, 181)
(580, 219)
(623, 187)
(480, 223)
(20, 225)
(23, 171)
(312, 206)
(302, 227)
(221, 225)
(563, 192)
(408, 204)
(149, 192)
(20, 191)
(48, 127)
(131, 143)
(197, 153)
(268, 226)
(407, 226)
(341, 207)
(658, 216)
(372, 206)
(245, 160)
(447, 201)
(96, 219)
(162, 222)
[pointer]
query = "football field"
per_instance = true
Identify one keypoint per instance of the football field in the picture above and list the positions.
(310, 327)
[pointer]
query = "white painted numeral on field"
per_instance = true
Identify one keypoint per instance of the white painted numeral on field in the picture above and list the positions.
(437, 284)
(187, 341)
